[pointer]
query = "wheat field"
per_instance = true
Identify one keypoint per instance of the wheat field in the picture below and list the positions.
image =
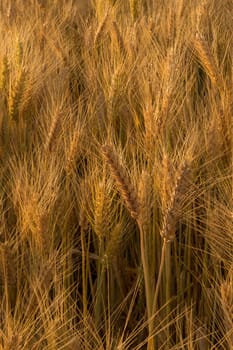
(116, 176)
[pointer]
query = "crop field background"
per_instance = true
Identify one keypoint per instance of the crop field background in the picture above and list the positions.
(116, 174)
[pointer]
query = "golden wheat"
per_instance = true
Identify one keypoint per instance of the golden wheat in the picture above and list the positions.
(207, 60)
(116, 125)
(173, 211)
(124, 186)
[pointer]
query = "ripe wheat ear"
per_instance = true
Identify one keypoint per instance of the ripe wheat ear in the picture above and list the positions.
(122, 180)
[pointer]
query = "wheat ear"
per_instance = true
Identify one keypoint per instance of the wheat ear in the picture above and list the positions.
(72, 153)
(121, 178)
(101, 211)
(174, 207)
(4, 80)
(113, 244)
(19, 54)
(207, 60)
(100, 29)
(171, 23)
(7, 265)
(133, 5)
(53, 131)
(118, 37)
(15, 95)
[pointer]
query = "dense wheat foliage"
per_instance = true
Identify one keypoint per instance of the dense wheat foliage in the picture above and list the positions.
(116, 176)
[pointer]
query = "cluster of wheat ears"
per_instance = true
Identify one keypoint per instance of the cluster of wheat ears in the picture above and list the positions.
(116, 175)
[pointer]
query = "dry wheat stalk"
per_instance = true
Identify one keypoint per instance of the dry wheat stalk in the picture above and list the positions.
(173, 211)
(122, 180)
